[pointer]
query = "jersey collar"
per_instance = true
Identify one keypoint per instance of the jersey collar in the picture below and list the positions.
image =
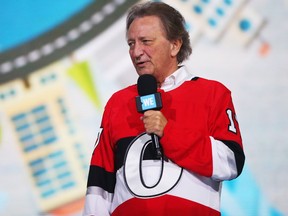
(176, 79)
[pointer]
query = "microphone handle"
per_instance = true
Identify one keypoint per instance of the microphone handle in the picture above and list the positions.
(155, 141)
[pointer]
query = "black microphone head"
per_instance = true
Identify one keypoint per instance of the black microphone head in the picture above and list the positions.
(146, 84)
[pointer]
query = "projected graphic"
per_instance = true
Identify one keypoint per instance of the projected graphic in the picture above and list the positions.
(39, 108)
(219, 20)
(42, 124)
(62, 40)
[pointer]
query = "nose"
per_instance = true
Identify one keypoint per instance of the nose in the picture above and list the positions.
(137, 51)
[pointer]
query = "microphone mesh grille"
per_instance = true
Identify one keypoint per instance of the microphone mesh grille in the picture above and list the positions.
(146, 84)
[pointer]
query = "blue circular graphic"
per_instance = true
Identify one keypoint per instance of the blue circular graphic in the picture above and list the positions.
(220, 11)
(212, 22)
(197, 9)
(228, 2)
(245, 25)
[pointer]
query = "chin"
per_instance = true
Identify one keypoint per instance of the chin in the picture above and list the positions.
(141, 72)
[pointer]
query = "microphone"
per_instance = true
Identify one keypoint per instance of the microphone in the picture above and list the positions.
(149, 99)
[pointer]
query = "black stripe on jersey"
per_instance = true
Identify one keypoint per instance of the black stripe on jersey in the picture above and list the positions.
(101, 178)
(120, 152)
(122, 146)
(238, 152)
(194, 78)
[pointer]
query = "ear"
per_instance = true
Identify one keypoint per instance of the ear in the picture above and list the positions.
(175, 47)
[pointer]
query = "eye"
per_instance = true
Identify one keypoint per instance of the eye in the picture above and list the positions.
(131, 43)
(146, 41)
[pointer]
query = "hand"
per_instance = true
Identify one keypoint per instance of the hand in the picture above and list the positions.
(154, 122)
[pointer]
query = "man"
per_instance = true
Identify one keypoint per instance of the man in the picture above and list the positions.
(197, 128)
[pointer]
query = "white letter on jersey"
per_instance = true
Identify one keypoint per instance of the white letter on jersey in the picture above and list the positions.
(148, 178)
(232, 127)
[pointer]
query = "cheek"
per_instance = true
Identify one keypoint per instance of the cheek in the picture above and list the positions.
(156, 54)
(163, 55)
(131, 55)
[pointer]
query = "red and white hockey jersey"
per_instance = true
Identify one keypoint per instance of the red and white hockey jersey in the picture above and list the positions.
(202, 147)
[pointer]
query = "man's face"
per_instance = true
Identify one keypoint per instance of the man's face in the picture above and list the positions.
(150, 51)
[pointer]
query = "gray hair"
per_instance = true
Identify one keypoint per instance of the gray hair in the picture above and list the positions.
(173, 23)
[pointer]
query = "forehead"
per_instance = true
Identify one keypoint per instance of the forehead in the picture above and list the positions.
(144, 26)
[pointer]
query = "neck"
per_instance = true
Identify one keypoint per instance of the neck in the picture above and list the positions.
(160, 80)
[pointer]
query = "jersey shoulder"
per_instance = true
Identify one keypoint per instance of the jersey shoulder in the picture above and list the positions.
(123, 95)
(209, 85)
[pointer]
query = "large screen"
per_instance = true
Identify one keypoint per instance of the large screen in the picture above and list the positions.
(60, 61)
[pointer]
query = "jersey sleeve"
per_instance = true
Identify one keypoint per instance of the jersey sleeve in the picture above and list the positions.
(101, 177)
(226, 142)
(214, 150)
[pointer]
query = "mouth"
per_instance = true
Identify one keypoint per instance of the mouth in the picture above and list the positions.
(141, 64)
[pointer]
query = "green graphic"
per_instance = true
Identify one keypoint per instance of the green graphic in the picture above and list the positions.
(81, 74)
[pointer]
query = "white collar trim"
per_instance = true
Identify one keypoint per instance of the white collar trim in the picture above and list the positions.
(176, 79)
